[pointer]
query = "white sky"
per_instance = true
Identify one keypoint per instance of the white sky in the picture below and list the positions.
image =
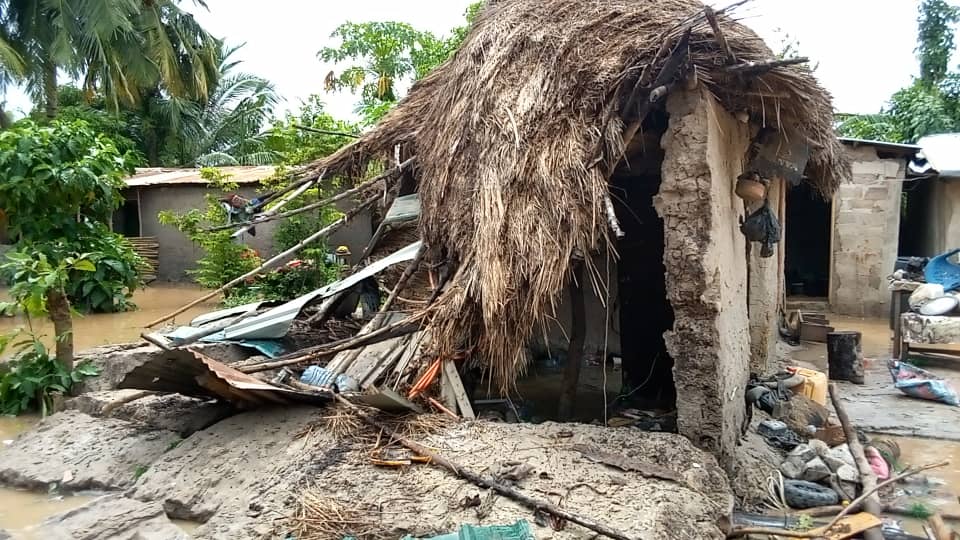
(864, 48)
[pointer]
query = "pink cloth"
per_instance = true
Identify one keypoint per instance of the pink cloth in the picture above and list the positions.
(877, 463)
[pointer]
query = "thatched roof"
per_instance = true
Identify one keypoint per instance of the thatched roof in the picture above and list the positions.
(515, 137)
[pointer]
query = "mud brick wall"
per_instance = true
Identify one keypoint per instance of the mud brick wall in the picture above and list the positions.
(866, 234)
(706, 263)
(765, 283)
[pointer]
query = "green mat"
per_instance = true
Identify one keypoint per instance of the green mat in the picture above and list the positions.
(518, 531)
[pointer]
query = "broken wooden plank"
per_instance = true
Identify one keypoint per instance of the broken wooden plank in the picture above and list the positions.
(463, 400)
(645, 469)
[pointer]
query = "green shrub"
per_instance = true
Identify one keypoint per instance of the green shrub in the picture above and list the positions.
(32, 379)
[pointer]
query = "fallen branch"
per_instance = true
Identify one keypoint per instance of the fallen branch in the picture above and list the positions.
(822, 531)
(753, 68)
(718, 35)
(319, 204)
(867, 479)
(866, 494)
(326, 131)
(273, 262)
(506, 491)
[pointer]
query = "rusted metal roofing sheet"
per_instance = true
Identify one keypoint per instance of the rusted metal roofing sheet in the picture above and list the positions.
(192, 373)
(157, 176)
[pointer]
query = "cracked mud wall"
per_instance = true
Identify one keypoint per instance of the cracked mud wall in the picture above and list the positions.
(706, 263)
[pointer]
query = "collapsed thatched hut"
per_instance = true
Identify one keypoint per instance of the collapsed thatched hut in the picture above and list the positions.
(610, 132)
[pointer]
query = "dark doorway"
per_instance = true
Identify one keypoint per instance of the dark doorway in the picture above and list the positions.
(807, 236)
(126, 220)
(645, 312)
(917, 205)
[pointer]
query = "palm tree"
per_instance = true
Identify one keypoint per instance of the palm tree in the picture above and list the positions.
(126, 49)
(227, 130)
(12, 70)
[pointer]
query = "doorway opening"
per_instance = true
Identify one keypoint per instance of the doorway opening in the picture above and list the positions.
(645, 312)
(807, 237)
(126, 219)
(918, 204)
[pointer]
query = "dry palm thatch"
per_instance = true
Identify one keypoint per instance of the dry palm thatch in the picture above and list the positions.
(319, 517)
(516, 134)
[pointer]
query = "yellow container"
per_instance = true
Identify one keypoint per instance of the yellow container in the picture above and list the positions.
(814, 384)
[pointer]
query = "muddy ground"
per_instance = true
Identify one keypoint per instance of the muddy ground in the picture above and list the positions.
(877, 406)
(244, 476)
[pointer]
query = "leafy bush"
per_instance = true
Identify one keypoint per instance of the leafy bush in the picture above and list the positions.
(61, 185)
(32, 378)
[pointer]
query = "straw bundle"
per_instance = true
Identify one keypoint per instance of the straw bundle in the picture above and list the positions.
(516, 134)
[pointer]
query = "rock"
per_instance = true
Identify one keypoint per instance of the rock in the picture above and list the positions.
(171, 412)
(815, 470)
(792, 468)
(803, 453)
(115, 361)
(840, 455)
(819, 447)
(112, 516)
(4, 535)
(847, 473)
(92, 453)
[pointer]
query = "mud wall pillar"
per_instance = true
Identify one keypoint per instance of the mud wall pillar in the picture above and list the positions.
(766, 286)
(706, 263)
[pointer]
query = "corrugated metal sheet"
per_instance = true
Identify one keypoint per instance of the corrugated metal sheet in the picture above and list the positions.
(191, 373)
(275, 323)
(939, 153)
(148, 177)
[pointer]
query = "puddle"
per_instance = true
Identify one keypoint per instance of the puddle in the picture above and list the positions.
(942, 495)
(21, 510)
(101, 329)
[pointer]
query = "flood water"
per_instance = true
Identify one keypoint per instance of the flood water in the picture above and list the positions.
(101, 329)
(20, 510)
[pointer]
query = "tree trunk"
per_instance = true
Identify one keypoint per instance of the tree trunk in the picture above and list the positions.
(52, 98)
(844, 357)
(59, 307)
(5, 122)
(578, 323)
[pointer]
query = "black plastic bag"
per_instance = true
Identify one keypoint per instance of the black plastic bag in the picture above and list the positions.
(764, 227)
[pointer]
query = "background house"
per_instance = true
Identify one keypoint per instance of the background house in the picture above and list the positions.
(151, 191)
(840, 251)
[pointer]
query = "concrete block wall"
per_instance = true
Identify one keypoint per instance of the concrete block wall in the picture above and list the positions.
(705, 257)
(866, 234)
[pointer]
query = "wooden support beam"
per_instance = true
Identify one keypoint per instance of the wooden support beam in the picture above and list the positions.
(718, 35)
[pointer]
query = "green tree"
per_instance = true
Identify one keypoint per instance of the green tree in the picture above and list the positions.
(385, 55)
(126, 49)
(931, 104)
(61, 186)
(308, 134)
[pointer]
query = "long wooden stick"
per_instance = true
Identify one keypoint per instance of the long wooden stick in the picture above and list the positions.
(401, 328)
(275, 261)
(249, 225)
(463, 472)
(867, 478)
(821, 531)
(389, 175)
(750, 68)
(868, 494)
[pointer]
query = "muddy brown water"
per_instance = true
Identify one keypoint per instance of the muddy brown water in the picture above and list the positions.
(20, 510)
(101, 329)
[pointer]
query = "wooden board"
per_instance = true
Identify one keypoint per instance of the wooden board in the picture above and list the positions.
(463, 401)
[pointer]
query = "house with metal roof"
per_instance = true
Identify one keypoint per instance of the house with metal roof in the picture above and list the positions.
(152, 190)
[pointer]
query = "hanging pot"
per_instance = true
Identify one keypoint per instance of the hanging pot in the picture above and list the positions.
(751, 188)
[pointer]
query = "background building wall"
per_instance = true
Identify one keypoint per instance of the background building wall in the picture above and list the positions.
(178, 254)
(866, 234)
